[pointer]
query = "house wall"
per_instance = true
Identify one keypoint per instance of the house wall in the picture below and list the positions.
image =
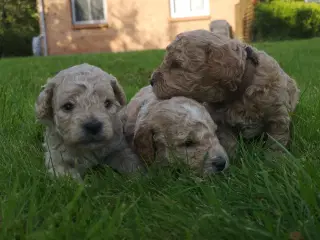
(132, 25)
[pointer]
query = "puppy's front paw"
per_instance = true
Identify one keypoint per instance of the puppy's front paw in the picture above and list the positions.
(60, 171)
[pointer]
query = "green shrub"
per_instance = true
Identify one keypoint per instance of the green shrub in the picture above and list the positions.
(279, 20)
(16, 44)
(18, 24)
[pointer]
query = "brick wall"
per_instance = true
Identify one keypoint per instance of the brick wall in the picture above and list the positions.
(245, 17)
(132, 25)
(247, 21)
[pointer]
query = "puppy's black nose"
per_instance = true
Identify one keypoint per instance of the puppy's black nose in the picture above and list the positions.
(219, 163)
(93, 127)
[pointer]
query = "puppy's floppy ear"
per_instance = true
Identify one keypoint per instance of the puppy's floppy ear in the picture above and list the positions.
(43, 105)
(118, 92)
(123, 114)
(226, 62)
(143, 143)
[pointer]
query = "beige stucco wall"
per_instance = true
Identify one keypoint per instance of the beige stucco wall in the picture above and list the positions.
(132, 25)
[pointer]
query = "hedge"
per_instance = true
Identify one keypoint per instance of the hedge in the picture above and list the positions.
(18, 24)
(279, 20)
(14, 43)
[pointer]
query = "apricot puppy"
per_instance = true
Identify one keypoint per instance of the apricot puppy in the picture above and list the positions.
(177, 128)
(248, 88)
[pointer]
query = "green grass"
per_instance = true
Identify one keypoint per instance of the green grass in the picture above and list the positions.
(255, 199)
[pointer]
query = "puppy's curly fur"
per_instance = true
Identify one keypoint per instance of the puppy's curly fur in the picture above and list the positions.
(248, 86)
(80, 108)
(178, 126)
(130, 112)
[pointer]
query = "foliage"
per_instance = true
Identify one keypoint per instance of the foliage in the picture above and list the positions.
(280, 20)
(257, 198)
(18, 24)
(269, 1)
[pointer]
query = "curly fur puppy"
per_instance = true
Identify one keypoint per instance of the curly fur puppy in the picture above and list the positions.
(131, 110)
(80, 109)
(178, 126)
(248, 86)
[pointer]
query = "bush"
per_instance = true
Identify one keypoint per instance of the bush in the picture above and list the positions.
(16, 44)
(279, 20)
(18, 24)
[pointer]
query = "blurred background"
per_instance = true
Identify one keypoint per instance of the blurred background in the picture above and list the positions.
(56, 27)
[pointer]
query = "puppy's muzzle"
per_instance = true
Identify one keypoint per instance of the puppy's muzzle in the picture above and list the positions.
(155, 75)
(219, 164)
(152, 82)
(92, 127)
(251, 55)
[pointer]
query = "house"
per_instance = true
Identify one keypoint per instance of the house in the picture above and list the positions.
(90, 26)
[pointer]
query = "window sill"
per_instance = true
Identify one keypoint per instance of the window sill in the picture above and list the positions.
(183, 19)
(89, 26)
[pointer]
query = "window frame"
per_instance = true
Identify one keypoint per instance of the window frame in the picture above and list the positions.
(190, 14)
(88, 22)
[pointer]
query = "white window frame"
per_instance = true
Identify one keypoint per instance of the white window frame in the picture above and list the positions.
(73, 9)
(204, 12)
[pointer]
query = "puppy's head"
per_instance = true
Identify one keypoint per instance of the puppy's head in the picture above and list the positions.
(82, 103)
(143, 96)
(201, 65)
(179, 128)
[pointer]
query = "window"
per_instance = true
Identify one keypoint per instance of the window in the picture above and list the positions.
(189, 8)
(89, 11)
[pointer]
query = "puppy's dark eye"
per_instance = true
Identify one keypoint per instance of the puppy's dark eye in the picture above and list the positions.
(68, 106)
(108, 103)
(175, 64)
(188, 143)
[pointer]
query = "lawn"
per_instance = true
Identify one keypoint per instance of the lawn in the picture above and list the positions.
(257, 198)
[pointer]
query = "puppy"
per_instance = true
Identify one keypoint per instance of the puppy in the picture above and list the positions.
(80, 109)
(132, 109)
(179, 126)
(247, 87)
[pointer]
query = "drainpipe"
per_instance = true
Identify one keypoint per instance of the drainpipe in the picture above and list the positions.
(43, 30)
